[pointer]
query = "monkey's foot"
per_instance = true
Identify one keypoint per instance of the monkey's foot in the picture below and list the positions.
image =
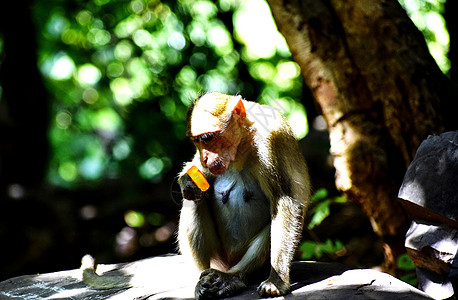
(270, 289)
(216, 284)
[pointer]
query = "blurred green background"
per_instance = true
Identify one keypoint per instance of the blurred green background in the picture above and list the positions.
(122, 75)
(93, 97)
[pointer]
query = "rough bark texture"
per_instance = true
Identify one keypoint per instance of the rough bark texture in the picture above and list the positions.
(379, 90)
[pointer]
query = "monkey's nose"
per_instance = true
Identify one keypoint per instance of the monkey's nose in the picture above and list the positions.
(204, 161)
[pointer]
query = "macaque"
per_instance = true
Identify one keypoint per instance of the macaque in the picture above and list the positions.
(253, 211)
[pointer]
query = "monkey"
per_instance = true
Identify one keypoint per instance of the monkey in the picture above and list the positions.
(254, 210)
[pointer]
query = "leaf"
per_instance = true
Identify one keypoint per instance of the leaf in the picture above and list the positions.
(319, 212)
(410, 278)
(312, 249)
(405, 262)
(308, 249)
(320, 194)
(340, 199)
(330, 247)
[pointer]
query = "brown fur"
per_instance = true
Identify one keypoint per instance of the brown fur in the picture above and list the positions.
(228, 234)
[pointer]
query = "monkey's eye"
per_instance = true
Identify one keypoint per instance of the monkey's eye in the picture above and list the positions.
(206, 137)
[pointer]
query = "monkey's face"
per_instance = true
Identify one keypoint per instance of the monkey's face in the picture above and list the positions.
(215, 127)
(219, 148)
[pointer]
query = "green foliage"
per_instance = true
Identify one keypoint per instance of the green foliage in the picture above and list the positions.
(312, 249)
(405, 263)
(122, 73)
(319, 210)
(320, 205)
(427, 16)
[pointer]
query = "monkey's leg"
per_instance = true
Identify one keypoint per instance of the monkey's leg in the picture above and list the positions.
(217, 284)
(286, 230)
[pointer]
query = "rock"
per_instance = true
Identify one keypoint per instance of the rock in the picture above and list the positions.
(433, 249)
(430, 187)
(172, 276)
(429, 193)
(432, 246)
(437, 286)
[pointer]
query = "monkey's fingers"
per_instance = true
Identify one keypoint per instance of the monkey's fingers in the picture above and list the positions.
(271, 289)
(214, 284)
(198, 178)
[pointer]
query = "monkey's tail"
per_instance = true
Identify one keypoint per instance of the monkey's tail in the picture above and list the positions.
(104, 282)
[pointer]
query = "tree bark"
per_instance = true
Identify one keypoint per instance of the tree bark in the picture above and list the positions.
(380, 92)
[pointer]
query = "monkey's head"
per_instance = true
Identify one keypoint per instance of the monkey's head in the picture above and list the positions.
(215, 124)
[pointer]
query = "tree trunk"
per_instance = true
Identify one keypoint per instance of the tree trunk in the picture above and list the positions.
(380, 92)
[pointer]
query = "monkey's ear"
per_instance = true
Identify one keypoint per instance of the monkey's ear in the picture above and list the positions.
(239, 109)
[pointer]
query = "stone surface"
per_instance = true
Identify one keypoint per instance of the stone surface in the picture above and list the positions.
(431, 181)
(432, 246)
(171, 276)
(437, 286)
(429, 193)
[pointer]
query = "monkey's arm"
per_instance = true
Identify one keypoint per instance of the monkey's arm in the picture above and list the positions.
(285, 235)
(289, 196)
(196, 233)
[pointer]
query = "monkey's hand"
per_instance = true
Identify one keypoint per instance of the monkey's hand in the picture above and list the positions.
(216, 284)
(189, 189)
(273, 287)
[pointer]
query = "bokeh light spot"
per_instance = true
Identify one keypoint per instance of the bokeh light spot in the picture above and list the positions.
(90, 95)
(60, 67)
(134, 218)
(88, 75)
(121, 150)
(176, 41)
(123, 50)
(151, 168)
(106, 119)
(122, 91)
(68, 171)
(142, 38)
(115, 69)
(63, 119)
(84, 17)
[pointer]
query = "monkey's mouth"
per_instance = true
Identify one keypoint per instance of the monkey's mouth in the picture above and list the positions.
(217, 167)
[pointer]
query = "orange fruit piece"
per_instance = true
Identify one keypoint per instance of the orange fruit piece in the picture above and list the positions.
(198, 178)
